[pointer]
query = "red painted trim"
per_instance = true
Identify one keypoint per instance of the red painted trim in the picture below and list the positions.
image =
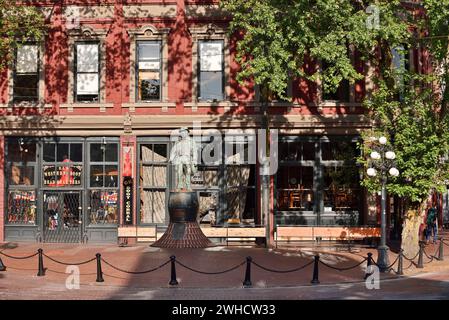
(2, 186)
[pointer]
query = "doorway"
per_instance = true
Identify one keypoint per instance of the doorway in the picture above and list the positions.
(62, 215)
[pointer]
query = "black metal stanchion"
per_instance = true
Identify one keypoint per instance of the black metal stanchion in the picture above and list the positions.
(420, 257)
(315, 270)
(369, 261)
(2, 266)
(401, 262)
(99, 271)
(440, 251)
(247, 283)
(41, 270)
(173, 281)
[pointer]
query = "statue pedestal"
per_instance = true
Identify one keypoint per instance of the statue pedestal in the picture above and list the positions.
(183, 230)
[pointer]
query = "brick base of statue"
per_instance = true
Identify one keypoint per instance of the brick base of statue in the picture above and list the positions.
(183, 230)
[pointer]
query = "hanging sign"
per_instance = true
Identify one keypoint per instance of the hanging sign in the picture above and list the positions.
(128, 200)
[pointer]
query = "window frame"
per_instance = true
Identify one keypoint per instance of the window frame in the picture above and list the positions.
(199, 73)
(76, 72)
(137, 70)
(89, 189)
(141, 188)
(20, 187)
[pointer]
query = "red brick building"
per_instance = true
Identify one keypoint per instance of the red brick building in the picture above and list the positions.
(97, 100)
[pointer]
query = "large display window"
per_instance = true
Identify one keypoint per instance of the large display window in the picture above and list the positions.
(318, 181)
(21, 171)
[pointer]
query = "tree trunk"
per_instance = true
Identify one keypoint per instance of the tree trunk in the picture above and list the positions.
(410, 233)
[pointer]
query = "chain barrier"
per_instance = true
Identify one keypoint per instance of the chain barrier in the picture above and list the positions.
(19, 258)
(249, 261)
(215, 272)
(135, 272)
(68, 264)
(343, 269)
(405, 257)
(282, 271)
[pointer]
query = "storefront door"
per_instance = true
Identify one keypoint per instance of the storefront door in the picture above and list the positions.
(62, 216)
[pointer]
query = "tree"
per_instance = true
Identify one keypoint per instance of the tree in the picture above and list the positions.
(279, 40)
(411, 109)
(18, 23)
(281, 37)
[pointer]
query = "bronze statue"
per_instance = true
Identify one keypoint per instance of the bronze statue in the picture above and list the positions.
(184, 157)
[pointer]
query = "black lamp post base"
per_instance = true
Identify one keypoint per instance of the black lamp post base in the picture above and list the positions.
(382, 258)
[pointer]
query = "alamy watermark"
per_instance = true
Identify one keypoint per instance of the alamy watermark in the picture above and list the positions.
(373, 20)
(239, 147)
(72, 282)
(373, 279)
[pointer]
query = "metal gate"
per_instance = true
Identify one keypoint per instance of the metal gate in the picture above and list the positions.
(62, 215)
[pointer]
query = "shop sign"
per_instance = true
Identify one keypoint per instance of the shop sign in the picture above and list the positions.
(59, 176)
(128, 202)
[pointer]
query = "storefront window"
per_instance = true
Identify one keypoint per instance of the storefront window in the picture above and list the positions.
(103, 183)
(295, 188)
(63, 166)
(318, 190)
(103, 206)
(153, 182)
(21, 207)
(20, 171)
(240, 180)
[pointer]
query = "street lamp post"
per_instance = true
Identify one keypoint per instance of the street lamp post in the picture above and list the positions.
(382, 161)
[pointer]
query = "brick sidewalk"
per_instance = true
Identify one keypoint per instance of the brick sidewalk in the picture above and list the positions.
(21, 274)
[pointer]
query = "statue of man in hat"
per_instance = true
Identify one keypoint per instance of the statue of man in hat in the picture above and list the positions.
(184, 157)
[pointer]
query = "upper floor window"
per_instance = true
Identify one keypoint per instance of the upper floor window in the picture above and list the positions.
(342, 93)
(26, 75)
(211, 70)
(149, 70)
(87, 72)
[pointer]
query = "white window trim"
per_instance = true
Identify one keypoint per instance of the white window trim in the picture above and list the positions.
(41, 84)
(79, 35)
(209, 32)
(148, 33)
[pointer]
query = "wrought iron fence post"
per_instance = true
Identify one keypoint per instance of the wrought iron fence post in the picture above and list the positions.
(2, 266)
(315, 270)
(99, 271)
(369, 261)
(420, 257)
(40, 267)
(400, 262)
(440, 251)
(247, 283)
(173, 281)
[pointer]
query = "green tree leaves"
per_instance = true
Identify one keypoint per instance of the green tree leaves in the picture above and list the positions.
(18, 24)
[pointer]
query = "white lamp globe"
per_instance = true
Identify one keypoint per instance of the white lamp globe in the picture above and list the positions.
(375, 155)
(390, 155)
(393, 172)
(371, 172)
(383, 140)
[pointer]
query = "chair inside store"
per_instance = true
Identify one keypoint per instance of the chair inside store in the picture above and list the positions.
(62, 216)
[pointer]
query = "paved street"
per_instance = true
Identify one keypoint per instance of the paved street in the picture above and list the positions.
(20, 281)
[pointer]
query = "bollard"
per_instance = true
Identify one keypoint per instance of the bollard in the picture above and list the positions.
(420, 257)
(173, 281)
(2, 266)
(440, 251)
(99, 271)
(247, 283)
(401, 262)
(315, 270)
(369, 260)
(41, 269)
